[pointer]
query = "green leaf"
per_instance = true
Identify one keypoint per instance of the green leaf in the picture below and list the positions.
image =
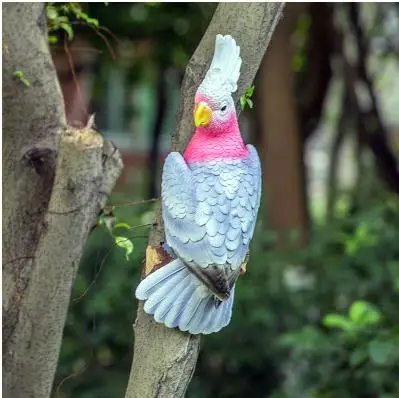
(298, 62)
(62, 19)
(122, 225)
(93, 21)
(250, 103)
(364, 313)
(67, 8)
(380, 351)
(250, 91)
(21, 77)
(338, 321)
(68, 30)
(52, 39)
(125, 243)
(52, 13)
(243, 102)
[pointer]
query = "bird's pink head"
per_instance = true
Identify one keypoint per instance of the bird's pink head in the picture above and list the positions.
(213, 115)
(217, 135)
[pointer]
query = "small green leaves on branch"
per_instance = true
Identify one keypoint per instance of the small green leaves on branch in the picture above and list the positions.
(21, 77)
(58, 18)
(107, 219)
(124, 243)
(246, 98)
(55, 22)
(76, 10)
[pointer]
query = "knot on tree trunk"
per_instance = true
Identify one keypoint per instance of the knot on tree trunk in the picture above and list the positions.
(43, 160)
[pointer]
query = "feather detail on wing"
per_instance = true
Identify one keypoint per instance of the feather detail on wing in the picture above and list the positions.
(209, 212)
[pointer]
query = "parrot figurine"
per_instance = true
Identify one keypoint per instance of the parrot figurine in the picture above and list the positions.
(210, 200)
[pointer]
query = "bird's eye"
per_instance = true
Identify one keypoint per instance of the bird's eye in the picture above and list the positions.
(223, 108)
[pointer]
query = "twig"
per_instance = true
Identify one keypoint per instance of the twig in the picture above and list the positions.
(139, 202)
(75, 79)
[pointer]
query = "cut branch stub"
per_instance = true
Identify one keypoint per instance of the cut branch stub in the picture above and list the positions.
(155, 258)
(244, 265)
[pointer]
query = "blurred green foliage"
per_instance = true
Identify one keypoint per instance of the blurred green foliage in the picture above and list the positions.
(325, 316)
(170, 30)
(318, 322)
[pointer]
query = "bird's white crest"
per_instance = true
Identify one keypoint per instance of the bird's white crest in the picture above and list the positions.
(224, 70)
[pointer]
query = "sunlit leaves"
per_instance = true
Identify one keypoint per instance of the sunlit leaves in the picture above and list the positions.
(59, 17)
(360, 314)
(246, 98)
(338, 321)
(124, 243)
(364, 313)
(56, 22)
(364, 236)
(108, 220)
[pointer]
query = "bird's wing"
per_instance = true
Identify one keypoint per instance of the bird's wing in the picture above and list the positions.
(188, 227)
(255, 179)
(209, 217)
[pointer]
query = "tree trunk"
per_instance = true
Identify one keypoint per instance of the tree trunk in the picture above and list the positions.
(281, 148)
(164, 359)
(55, 181)
(313, 83)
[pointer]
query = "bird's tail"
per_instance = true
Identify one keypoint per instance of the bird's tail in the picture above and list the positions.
(175, 297)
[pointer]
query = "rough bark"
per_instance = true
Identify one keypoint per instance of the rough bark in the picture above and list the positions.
(281, 148)
(55, 182)
(164, 359)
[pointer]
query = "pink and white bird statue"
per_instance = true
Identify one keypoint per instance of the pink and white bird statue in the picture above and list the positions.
(210, 201)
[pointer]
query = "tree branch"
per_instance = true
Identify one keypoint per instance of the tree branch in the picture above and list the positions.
(164, 359)
(281, 151)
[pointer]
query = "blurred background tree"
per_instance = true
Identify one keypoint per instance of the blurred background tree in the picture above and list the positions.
(317, 312)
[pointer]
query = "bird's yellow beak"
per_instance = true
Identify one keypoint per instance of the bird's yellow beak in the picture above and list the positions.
(202, 114)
